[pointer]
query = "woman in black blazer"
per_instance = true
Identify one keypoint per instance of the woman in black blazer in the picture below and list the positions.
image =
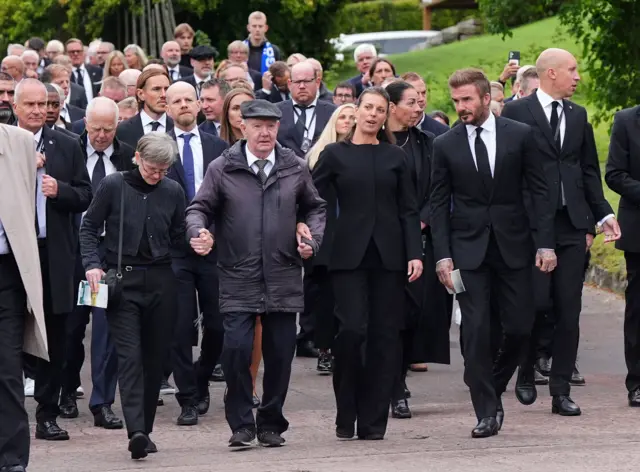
(376, 245)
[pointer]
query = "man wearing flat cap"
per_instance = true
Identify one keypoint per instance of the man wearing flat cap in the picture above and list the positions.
(202, 62)
(254, 193)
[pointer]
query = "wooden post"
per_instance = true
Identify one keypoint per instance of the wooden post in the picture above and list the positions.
(159, 33)
(426, 18)
(144, 37)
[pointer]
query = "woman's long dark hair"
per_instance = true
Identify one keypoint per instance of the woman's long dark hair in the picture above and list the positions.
(383, 133)
(226, 131)
(375, 63)
(396, 91)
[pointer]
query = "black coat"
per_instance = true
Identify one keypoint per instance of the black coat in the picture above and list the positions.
(623, 175)
(325, 94)
(65, 163)
(75, 114)
(95, 75)
(122, 157)
(78, 96)
(462, 234)
(289, 137)
(130, 131)
(274, 97)
(433, 126)
(357, 83)
(257, 79)
(208, 127)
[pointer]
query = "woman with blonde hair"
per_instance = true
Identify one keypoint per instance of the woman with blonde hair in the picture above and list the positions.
(135, 57)
(115, 64)
(295, 58)
(318, 294)
(231, 117)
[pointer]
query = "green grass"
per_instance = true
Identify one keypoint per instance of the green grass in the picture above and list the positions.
(490, 54)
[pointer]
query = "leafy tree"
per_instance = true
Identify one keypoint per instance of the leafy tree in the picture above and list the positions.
(502, 15)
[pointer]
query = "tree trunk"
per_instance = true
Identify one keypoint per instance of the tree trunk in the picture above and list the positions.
(134, 27)
(144, 37)
(153, 39)
(166, 21)
(172, 16)
(159, 33)
(127, 29)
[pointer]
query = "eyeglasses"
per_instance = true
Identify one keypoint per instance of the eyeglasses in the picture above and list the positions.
(344, 96)
(76, 51)
(162, 172)
(303, 82)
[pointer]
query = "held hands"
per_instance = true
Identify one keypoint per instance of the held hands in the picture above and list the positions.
(94, 276)
(365, 79)
(546, 260)
(414, 270)
(203, 244)
(611, 230)
(444, 269)
(49, 186)
(302, 231)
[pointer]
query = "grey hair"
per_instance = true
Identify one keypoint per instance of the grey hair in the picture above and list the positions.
(57, 90)
(11, 47)
(54, 43)
(103, 102)
(30, 52)
(364, 48)
(24, 82)
(157, 148)
(237, 45)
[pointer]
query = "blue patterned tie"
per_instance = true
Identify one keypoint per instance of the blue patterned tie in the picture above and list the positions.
(187, 164)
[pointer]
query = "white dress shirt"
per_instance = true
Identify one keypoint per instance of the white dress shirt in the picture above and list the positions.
(41, 200)
(4, 242)
(196, 149)
(147, 120)
(546, 101)
(251, 159)
(92, 160)
(174, 73)
(64, 111)
(86, 81)
(488, 136)
(311, 113)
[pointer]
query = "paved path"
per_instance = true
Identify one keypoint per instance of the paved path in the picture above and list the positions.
(604, 438)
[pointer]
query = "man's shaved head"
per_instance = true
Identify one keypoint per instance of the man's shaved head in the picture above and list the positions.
(558, 72)
(180, 88)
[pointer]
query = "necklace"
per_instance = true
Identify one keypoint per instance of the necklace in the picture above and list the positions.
(405, 141)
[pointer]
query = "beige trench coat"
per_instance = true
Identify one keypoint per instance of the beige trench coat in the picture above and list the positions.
(17, 212)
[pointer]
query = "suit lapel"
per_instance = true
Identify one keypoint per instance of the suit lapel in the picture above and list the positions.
(541, 119)
(138, 128)
(207, 152)
(570, 124)
(177, 166)
(49, 142)
(501, 135)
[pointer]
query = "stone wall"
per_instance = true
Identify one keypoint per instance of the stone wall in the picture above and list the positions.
(463, 30)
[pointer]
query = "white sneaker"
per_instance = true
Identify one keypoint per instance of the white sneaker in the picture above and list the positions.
(80, 391)
(29, 387)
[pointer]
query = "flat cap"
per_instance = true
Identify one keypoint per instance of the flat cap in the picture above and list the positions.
(203, 52)
(260, 109)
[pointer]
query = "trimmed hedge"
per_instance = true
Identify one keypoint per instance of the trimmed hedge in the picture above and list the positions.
(388, 15)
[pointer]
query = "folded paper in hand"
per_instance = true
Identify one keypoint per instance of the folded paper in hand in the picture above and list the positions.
(458, 286)
(86, 297)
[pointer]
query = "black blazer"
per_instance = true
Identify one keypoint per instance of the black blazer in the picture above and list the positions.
(95, 75)
(65, 131)
(432, 126)
(78, 127)
(576, 165)
(183, 72)
(419, 150)
(376, 200)
(65, 163)
(122, 157)
(357, 83)
(273, 97)
(257, 79)
(623, 175)
(462, 234)
(78, 96)
(288, 135)
(208, 127)
(130, 131)
(324, 93)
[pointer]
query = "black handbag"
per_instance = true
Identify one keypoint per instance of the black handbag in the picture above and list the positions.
(113, 277)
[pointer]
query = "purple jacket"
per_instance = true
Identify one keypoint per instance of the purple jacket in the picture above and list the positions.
(260, 270)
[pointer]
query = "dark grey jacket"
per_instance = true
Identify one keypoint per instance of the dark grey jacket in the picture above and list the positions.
(260, 270)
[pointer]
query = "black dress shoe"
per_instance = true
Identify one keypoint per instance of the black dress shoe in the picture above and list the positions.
(138, 445)
(543, 365)
(325, 364)
(160, 402)
(68, 406)
(307, 349)
(540, 379)
(106, 418)
(13, 468)
(400, 409)
(371, 437)
(50, 431)
(270, 439)
(563, 405)
(576, 377)
(242, 438)
(217, 375)
(486, 428)
(345, 432)
(151, 447)
(188, 416)
(499, 414)
(256, 401)
(203, 404)
(526, 392)
(634, 398)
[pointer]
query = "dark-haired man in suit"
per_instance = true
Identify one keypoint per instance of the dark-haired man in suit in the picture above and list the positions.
(86, 76)
(203, 63)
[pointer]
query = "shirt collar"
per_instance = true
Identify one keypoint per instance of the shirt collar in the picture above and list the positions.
(312, 104)
(146, 119)
(419, 124)
(81, 67)
(37, 136)
(195, 132)
(545, 99)
(489, 125)
(107, 152)
(252, 158)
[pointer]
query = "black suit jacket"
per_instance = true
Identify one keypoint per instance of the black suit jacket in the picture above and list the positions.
(78, 127)
(357, 83)
(95, 75)
(65, 131)
(257, 79)
(289, 137)
(575, 165)
(419, 150)
(623, 175)
(78, 96)
(273, 97)
(462, 234)
(433, 126)
(377, 201)
(122, 157)
(65, 163)
(209, 128)
(75, 114)
(130, 131)
(324, 93)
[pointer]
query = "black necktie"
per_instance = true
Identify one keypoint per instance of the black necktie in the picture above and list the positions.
(261, 163)
(79, 77)
(155, 125)
(301, 124)
(482, 160)
(554, 124)
(174, 75)
(99, 172)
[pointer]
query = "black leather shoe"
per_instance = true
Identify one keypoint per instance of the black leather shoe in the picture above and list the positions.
(307, 349)
(526, 392)
(188, 417)
(563, 405)
(50, 431)
(576, 377)
(400, 409)
(203, 404)
(486, 428)
(407, 392)
(68, 406)
(151, 447)
(13, 468)
(270, 439)
(217, 375)
(325, 366)
(543, 365)
(242, 438)
(256, 401)
(160, 402)
(500, 414)
(371, 437)
(344, 432)
(138, 445)
(106, 418)
(634, 398)
(540, 379)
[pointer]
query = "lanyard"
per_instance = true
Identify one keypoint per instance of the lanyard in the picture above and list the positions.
(40, 145)
(298, 113)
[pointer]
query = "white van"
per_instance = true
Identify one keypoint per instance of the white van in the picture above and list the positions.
(386, 42)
